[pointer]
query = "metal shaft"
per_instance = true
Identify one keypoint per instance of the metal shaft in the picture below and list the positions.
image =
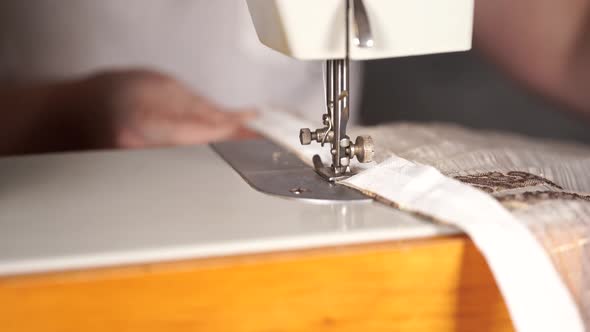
(339, 77)
(330, 87)
(340, 159)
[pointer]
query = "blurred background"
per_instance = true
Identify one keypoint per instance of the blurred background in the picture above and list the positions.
(211, 48)
(462, 88)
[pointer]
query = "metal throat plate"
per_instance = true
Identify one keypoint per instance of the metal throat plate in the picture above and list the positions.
(272, 169)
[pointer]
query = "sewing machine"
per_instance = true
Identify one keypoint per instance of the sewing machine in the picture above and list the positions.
(165, 239)
(344, 30)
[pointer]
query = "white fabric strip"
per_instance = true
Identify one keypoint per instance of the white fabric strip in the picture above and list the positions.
(283, 129)
(536, 296)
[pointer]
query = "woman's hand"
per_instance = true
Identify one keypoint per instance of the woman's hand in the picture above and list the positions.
(119, 109)
(151, 109)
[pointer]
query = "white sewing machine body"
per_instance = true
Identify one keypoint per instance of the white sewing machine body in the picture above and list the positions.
(315, 29)
(86, 210)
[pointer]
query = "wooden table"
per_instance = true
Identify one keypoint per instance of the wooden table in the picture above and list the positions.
(440, 284)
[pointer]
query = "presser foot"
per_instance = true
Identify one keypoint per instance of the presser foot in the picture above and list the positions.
(326, 172)
(363, 149)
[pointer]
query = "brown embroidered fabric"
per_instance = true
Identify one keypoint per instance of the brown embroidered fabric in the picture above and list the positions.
(544, 184)
(537, 196)
(496, 181)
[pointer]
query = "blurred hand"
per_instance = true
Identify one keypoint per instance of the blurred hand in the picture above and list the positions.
(128, 109)
(148, 109)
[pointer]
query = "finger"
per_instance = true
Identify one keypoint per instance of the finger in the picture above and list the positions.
(235, 117)
(128, 139)
(187, 133)
(207, 111)
(188, 128)
(231, 127)
(245, 133)
(246, 115)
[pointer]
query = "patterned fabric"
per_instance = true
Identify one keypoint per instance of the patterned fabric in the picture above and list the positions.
(545, 184)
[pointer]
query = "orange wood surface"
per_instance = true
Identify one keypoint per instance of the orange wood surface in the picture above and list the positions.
(440, 284)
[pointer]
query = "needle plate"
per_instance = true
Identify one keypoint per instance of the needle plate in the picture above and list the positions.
(272, 169)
